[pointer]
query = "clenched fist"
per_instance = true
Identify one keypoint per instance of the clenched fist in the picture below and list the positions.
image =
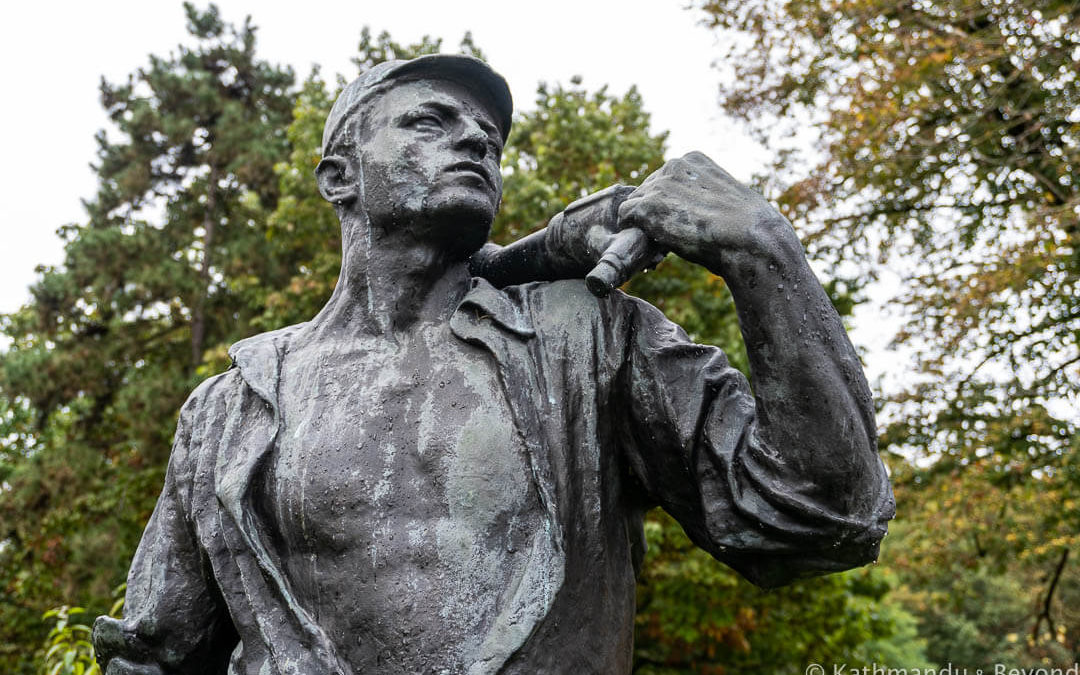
(695, 209)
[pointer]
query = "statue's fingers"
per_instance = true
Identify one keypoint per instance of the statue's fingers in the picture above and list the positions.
(630, 251)
(633, 212)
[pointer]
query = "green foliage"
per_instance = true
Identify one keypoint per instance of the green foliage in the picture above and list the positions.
(982, 621)
(303, 229)
(208, 227)
(68, 648)
(572, 145)
(372, 52)
(697, 616)
(977, 568)
(948, 131)
(154, 285)
(948, 145)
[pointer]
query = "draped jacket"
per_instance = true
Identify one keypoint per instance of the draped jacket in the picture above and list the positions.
(619, 412)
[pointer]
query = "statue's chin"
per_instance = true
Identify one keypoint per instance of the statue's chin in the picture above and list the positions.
(467, 238)
(461, 226)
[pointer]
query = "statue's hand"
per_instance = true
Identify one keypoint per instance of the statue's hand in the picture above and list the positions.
(588, 240)
(695, 209)
(690, 206)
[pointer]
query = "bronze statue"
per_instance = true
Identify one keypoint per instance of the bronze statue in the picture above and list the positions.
(442, 473)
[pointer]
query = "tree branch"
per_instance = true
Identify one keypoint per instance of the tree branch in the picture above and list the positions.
(1044, 613)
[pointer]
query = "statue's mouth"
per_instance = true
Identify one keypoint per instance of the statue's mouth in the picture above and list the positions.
(474, 168)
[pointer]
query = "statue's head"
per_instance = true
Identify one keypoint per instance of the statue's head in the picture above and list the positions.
(415, 146)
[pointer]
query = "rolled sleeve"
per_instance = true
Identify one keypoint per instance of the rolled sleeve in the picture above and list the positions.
(695, 444)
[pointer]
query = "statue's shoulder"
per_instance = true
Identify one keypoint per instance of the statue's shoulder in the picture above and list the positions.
(266, 345)
(569, 310)
(254, 373)
(255, 365)
(257, 359)
(523, 308)
(570, 302)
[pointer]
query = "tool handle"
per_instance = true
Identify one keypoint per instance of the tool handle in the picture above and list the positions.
(629, 253)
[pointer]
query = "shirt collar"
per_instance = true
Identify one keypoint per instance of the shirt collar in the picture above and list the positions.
(259, 357)
(496, 305)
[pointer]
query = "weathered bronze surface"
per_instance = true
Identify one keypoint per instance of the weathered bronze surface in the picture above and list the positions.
(445, 470)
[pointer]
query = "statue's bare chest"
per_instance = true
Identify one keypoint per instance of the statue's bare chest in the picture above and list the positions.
(402, 491)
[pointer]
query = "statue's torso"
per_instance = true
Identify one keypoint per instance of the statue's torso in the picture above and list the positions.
(402, 496)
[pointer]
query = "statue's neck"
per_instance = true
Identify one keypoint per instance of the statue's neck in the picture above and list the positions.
(389, 282)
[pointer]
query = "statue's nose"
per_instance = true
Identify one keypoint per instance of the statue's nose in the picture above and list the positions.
(474, 140)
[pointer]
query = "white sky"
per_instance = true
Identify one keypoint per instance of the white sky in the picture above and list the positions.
(55, 53)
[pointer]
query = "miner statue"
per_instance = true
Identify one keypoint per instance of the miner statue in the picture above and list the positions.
(445, 471)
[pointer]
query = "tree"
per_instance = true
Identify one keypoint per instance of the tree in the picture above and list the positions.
(976, 579)
(947, 141)
(154, 285)
(697, 616)
(109, 347)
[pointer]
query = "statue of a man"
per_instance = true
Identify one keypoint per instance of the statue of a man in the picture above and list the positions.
(437, 475)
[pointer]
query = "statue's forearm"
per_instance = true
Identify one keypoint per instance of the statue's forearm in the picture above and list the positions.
(814, 405)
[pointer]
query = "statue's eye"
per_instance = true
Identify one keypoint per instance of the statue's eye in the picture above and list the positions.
(426, 121)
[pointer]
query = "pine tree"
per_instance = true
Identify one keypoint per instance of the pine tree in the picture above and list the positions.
(154, 285)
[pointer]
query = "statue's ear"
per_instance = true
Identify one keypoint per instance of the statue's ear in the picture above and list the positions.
(337, 184)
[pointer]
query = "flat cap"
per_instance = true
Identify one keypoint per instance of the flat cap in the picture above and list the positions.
(474, 74)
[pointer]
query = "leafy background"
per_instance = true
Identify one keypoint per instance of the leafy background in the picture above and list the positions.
(945, 149)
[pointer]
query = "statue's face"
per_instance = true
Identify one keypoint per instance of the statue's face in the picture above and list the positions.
(429, 156)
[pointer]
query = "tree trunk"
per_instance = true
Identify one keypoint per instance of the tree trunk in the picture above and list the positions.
(198, 314)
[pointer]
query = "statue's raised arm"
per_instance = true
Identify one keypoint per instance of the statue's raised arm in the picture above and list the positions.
(808, 461)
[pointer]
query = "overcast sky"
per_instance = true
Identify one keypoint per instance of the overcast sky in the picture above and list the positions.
(54, 55)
